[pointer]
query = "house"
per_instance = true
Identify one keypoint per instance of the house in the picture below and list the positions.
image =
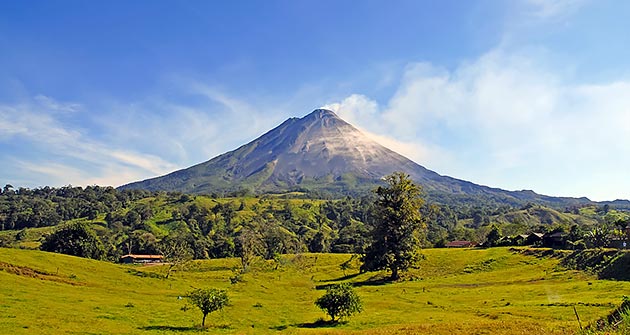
(534, 239)
(460, 244)
(520, 239)
(556, 240)
(618, 243)
(621, 239)
(142, 259)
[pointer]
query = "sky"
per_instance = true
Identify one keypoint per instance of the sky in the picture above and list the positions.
(521, 94)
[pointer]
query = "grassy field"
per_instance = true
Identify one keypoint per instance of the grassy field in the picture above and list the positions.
(493, 291)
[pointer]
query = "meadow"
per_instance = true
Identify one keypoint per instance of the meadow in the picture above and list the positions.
(454, 291)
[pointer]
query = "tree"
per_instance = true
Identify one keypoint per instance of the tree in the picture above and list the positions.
(493, 237)
(75, 239)
(397, 224)
(248, 246)
(599, 236)
(320, 242)
(133, 219)
(207, 300)
(340, 300)
(8, 189)
(176, 252)
(140, 242)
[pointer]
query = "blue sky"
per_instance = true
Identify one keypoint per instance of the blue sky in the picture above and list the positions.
(523, 94)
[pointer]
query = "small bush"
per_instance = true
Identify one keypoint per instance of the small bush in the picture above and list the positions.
(208, 301)
(340, 301)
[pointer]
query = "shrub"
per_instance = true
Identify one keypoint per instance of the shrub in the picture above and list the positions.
(208, 301)
(340, 300)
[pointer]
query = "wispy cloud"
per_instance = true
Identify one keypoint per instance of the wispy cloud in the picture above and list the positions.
(117, 142)
(189, 129)
(55, 106)
(553, 8)
(508, 120)
(38, 130)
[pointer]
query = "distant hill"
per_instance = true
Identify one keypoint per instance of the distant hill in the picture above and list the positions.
(537, 216)
(322, 153)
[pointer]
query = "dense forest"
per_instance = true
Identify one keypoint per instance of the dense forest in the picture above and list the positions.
(107, 223)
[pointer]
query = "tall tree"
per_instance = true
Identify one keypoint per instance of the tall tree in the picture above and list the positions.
(493, 237)
(176, 251)
(248, 246)
(397, 225)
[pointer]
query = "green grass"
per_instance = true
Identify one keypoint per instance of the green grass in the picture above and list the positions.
(455, 291)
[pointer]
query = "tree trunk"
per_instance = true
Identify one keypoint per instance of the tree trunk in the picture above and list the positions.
(170, 267)
(203, 321)
(395, 275)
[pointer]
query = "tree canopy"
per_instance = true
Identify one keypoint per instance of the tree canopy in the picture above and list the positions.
(397, 223)
(75, 239)
(142, 222)
(208, 300)
(340, 300)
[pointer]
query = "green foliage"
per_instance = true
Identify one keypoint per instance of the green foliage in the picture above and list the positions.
(208, 301)
(616, 217)
(397, 224)
(6, 241)
(598, 236)
(141, 222)
(493, 237)
(75, 239)
(339, 301)
(607, 264)
(616, 322)
(47, 206)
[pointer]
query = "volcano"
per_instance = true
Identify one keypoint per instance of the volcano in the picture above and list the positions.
(320, 152)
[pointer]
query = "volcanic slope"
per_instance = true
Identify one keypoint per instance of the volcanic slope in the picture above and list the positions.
(319, 152)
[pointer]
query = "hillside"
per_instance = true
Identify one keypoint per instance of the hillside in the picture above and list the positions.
(144, 222)
(537, 216)
(454, 291)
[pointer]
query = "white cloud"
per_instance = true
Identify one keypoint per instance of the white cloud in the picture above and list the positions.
(121, 142)
(49, 141)
(508, 120)
(8, 126)
(354, 108)
(204, 123)
(53, 173)
(52, 105)
(364, 113)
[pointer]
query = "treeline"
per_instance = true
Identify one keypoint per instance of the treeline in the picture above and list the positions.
(211, 228)
(141, 222)
(48, 206)
(144, 222)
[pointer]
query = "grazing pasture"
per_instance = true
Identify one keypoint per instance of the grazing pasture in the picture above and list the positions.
(454, 291)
